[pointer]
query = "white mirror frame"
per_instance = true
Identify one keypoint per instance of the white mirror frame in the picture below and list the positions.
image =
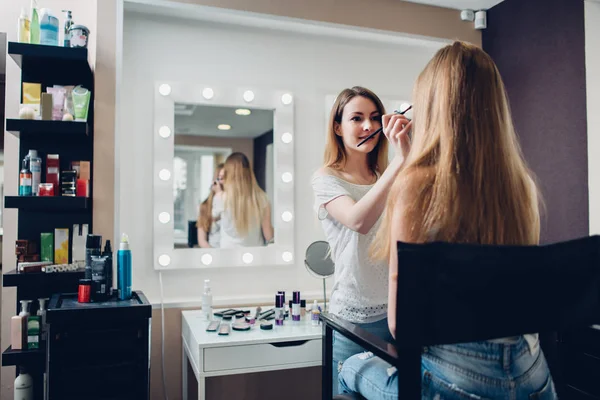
(166, 257)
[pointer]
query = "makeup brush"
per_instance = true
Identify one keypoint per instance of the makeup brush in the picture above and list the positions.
(380, 129)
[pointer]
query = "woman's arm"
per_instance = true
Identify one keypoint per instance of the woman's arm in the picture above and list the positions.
(202, 236)
(267, 227)
(360, 216)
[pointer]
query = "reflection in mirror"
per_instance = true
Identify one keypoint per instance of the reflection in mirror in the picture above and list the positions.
(223, 185)
(319, 263)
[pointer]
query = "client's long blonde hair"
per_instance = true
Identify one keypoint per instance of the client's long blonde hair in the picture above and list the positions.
(205, 219)
(478, 188)
(244, 199)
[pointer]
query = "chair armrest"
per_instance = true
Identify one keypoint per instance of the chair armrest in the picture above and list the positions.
(360, 336)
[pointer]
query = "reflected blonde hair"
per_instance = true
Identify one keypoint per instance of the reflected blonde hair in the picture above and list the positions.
(477, 187)
(335, 151)
(205, 213)
(244, 199)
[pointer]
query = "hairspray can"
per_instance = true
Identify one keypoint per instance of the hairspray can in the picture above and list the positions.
(124, 269)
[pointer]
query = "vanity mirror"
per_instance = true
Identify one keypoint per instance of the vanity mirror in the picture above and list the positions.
(224, 169)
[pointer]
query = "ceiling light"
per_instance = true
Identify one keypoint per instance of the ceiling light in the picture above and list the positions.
(223, 127)
(248, 96)
(208, 93)
(243, 111)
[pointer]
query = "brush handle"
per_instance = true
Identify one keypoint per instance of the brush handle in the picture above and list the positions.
(380, 129)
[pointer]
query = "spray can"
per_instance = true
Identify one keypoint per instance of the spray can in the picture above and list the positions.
(25, 180)
(67, 33)
(124, 269)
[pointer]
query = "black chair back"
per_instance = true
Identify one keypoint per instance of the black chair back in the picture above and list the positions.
(459, 293)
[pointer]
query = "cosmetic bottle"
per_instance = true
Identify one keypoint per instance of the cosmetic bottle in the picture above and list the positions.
(102, 274)
(18, 332)
(67, 26)
(23, 27)
(34, 164)
(315, 314)
(23, 385)
(41, 312)
(48, 27)
(124, 269)
(34, 26)
(279, 307)
(207, 301)
(93, 247)
(303, 309)
(25, 180)
(295, 306)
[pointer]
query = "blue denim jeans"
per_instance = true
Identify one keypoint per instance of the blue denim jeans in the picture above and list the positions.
(343, 348)
(481, 370)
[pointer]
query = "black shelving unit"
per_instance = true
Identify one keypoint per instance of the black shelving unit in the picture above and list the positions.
(48, 203)
(63, 130)
(72, 141)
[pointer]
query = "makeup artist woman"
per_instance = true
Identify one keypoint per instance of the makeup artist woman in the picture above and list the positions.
(350, 194)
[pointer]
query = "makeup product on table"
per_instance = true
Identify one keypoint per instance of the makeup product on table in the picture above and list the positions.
(84, 295)
(224, 328)
(124, 269)
(266, 326)
(241, 326)
(252, 320)
(227, 317)
(303, 309)
(93, 247)
(207, 299)
(279, 306)
(213, 326)
(296, 306)
(102, 274)
(315, 312)
(381, 129)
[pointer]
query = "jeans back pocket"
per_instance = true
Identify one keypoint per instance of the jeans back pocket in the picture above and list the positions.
(434, 388)
(547, 392)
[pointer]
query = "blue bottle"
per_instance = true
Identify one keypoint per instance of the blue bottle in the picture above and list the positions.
(124, 269)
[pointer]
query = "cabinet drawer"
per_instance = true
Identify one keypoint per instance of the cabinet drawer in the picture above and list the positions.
(572, 393)
(262, 355)
(581, 371)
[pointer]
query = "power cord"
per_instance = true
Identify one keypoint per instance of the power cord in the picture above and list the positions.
(162, 323)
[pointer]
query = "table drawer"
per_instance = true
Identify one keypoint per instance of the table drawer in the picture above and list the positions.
(262, 355)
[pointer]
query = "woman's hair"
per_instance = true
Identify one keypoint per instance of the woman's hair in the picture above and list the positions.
(244, 199)
(205, 213)
(335, 152)
(476, 187)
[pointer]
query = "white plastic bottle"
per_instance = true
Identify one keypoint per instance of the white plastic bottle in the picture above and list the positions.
(23, 27)
(207, 301)
(23, 385)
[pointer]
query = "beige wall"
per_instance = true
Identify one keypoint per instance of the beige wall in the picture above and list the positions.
(387, 15)
(245, 146)
(102, 18)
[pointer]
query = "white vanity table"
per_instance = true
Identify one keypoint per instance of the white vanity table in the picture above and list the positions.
(293, 345)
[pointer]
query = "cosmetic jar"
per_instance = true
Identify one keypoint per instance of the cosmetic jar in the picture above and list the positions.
(79, 35)
(85, 290)
(46, 189)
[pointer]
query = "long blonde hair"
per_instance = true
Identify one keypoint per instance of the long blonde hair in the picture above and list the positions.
(205, 219)
(244, 199)
(335, 151)
(477, 187)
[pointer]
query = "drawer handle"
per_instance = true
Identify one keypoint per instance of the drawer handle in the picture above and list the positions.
(289, 344)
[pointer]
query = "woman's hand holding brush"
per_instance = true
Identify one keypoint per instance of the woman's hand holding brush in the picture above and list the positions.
(396, 128)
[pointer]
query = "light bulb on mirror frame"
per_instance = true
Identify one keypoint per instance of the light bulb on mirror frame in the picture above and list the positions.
(286, 138)
(247, 258)
(164, 260)
(164, 217)
(164, 131)
(248, 96)
(164, 174)
(286, 99)
(287, 177)
(287, 256)
(164, 89)
(206, 259)
(287, 216)
(208, 93)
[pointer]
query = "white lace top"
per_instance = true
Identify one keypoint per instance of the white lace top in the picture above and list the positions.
(360, 286)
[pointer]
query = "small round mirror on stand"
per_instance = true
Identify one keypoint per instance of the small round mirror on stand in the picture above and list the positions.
(319, 263)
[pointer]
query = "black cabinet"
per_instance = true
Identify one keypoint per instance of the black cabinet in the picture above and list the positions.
(98, 351)
(580, 361)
